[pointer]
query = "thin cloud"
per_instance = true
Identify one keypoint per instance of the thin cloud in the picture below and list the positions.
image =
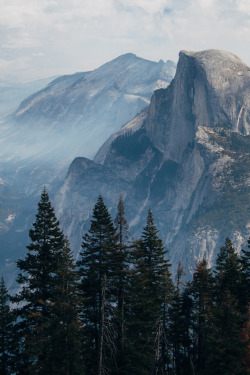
(74, 35)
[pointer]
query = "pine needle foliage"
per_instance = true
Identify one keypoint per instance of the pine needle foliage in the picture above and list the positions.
(151, 292)
(97, 269)
(36, 279)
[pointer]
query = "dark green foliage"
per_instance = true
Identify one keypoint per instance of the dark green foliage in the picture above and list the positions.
(151, 294)
(98, 268)
(176, 331)
(7, 336)
(122, 286)
(37, 285)
(225, 349)
(65, 327)
(228, 270)
(133, 145)
(201, 290)
(120, 313)
(187, 333)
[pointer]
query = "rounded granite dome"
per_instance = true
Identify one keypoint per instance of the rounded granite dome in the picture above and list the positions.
(220, 67)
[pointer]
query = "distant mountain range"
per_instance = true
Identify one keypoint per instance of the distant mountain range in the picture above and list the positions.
(72, 116)
(75, 114)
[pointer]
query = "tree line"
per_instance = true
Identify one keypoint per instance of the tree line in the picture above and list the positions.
(117, 310)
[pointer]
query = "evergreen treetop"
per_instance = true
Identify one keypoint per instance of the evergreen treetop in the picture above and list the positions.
(37, 277)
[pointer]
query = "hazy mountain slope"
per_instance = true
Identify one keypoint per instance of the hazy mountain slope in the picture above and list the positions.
(77, 113)
(70, 117)
(187, 157)
(13, 93)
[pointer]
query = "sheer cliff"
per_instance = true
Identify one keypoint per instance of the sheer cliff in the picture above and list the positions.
(187, 157)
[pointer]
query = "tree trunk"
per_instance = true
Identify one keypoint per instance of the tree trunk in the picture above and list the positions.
(101, 334)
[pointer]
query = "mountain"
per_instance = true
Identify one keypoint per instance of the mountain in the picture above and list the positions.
(72, 116)
(186, 156)
(13, 93)
(75, 114)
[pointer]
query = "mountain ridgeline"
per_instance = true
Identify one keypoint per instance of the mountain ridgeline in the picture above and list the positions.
(186, 156)
(78, 112)
(72, 116)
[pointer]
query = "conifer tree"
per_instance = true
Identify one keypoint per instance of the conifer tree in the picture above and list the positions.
(225, 349)
(7, 343)
(122, 271)
(151, 293)
(201, 290)
(176, 327)
(65, 327)
(97, 269)
(37, 284)
(187, 332)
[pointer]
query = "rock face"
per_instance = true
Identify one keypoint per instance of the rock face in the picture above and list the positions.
(187, 157)
(211, 88)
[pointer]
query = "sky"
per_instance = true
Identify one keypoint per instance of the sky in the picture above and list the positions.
(44, 38)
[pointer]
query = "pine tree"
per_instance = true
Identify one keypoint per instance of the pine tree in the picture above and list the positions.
(65, 327)
(225, 349)
(37, 283)
(151, 291)
(228, 270)
(97, 269)
(187, 332)
(7, 343)
(201, 290)
(176, 323)
(122, 271)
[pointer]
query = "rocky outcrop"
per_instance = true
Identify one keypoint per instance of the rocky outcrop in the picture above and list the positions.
(187, 158)
(211, 88)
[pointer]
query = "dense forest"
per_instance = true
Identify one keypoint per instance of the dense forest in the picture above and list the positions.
(118, 310)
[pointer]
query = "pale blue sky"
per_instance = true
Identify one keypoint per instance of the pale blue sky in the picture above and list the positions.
(41, 38)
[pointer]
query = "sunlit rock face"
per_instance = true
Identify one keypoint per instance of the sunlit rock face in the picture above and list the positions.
(186, 157)
(211, 88)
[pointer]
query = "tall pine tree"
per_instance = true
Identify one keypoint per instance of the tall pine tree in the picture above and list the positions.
(201, 290)
(97, 268)
(151, 293)
(36, 279)
(122, 271)
(225, 349)
(176, 324)
(65, 327)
